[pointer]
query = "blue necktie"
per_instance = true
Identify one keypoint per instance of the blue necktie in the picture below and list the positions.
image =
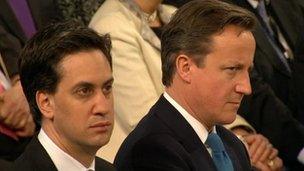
(219, 154)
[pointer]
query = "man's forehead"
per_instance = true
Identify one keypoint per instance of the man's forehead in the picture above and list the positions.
(86, 67)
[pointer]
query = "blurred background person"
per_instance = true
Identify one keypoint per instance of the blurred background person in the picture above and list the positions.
(19, 20)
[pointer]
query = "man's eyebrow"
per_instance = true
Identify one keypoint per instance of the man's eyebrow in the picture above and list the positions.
(88, 84)
(83, 84)
(109, 81)
(233, 63)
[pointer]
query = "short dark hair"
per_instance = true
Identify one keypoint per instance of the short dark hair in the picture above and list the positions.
(191, 29)
(40, 58)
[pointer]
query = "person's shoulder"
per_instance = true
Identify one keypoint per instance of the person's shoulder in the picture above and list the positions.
(152, 152)
(159, 140)
(103, 165)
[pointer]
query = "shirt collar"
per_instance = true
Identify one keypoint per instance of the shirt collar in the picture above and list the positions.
(199, 128)
(61, 159)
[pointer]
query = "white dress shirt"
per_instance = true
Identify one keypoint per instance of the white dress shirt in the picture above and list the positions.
(199, 128)
(61, 159)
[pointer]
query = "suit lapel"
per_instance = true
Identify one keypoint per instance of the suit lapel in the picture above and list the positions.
(286, 20)
(232, 155)
(35, 157)
(268, 51)
(185, 134)
(10, 19)
(234, 149)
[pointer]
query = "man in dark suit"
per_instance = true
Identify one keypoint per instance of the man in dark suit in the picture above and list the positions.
(277, 93)
(66, 75)
(207, 52)
(14, 111)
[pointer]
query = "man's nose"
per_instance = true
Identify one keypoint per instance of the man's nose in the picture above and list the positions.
(244, 86)
(103, 104)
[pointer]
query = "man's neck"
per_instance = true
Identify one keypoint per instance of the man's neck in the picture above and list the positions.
(181, 99)
(83, 155)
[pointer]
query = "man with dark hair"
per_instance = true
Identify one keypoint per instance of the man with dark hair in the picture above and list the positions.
(207, 52)
(276, 92)
(65, 72)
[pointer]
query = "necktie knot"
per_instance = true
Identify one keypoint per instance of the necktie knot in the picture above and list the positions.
(215, 143)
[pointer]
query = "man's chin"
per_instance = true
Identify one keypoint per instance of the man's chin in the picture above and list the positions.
(229, 119)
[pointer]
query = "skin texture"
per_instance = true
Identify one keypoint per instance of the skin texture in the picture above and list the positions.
(78, 117)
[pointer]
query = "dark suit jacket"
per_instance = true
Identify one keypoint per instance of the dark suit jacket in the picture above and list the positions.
(35, 157)
(5, 165)
(12, 37)
(164, 140)
(10, 149)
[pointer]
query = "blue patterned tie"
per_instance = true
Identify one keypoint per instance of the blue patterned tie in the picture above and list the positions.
(219, 154)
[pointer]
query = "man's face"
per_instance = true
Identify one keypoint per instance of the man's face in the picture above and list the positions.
(83, 102)
(219, 85)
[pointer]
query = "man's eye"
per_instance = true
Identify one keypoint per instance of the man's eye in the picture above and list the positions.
(232, 71)
(233, 68)
(107, 89)
(84, 92)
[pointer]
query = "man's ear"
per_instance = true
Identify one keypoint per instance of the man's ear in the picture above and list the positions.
(45, 104)
(183, 67)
